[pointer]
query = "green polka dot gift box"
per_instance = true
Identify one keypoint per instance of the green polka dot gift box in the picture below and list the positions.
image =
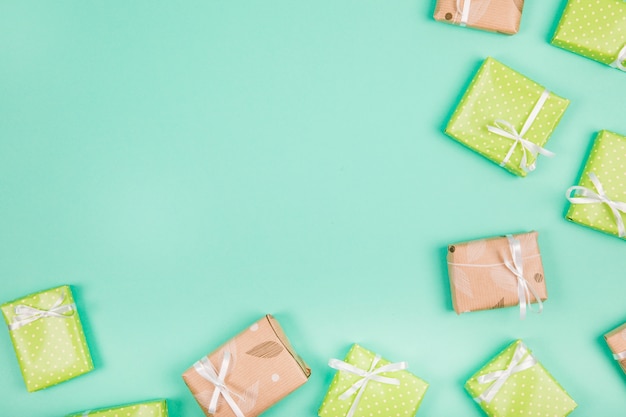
(48, 337)
(599, 199)
(506, 117)
(515, 384)
(595, 29)
(156, 408)
(367, 385)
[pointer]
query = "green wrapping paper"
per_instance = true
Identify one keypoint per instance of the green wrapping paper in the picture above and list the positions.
(147, 409)
(375, 398)
(523, 112)
(594, 29)
(606, 166)
(48, 337)
(528, 390)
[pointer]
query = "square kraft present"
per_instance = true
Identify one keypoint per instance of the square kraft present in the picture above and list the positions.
(157, 408)
(515, 384)
(599, 199)
(506, 117)
(489, 273)
(501, 16)
(249, 374)
(594, 29)
(369, 385)
(616, 340)
(48, 337)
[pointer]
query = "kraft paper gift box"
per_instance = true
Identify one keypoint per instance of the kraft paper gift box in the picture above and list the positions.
(47, 337)
(599, 199)
(616, 340)
(493, 273)
(506, 117)
(515, 384)
(249, 374)
(146, 409)
(368, 385)
(594, 29)
(501, 16)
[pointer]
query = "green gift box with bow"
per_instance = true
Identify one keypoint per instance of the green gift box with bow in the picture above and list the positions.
(594, 29)
(48, 337)
(599, 199)
(157, 408)
(506, 117)
(515, 384)
(368, 385)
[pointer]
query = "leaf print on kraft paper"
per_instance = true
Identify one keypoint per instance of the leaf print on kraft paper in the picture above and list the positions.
(269, 349)
(461, 281)
(499, 305)
(249, 398)
(503, 278)
(476, 250)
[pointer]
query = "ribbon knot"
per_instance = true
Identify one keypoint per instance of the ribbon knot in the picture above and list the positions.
(205, 369)
(619, 62)
(588, 196)
(522, 360)
(26, 314)
(506, 130)
(373, 374)
(524, 290)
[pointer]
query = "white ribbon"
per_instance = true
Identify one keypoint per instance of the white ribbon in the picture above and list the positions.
(588, 196)
(619, 62)
(507, 130)
(500, 377)
(620, 356)
(524, 290)
(26, 314)
(465, 11)
(205, 369)
(366, 376)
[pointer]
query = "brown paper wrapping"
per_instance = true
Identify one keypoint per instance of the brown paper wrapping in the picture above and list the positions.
(501, 16)
(616, 340)
(264, 368)
(479, 280)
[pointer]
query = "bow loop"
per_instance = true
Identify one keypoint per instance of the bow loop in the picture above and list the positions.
(619, 61)
(25, 314)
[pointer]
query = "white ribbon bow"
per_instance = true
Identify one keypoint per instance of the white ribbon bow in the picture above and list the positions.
(507, 130)
(524, 290)
(26, 314)
(588, 196)
(465, 11)
(500, 377)
(205, 369)
(619, 62)
(366, 376)
(620, 356)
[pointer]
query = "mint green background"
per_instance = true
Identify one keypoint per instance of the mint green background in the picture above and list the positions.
(189, 166)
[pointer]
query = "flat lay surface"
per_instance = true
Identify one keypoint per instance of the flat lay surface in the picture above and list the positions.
(189, 167)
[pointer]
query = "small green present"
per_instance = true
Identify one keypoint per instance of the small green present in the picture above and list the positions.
(506, 117)
(48, 337)
(515, 384)
(599, 199)
(594, 29)
(156, 408)
(368, 385)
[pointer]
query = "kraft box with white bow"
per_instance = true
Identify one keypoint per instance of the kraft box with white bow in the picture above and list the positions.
(156, 408)
(616, 339)
(502, 16)
(506, 117)
(48, 337)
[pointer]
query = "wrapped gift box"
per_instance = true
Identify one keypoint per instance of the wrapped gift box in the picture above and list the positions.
(599, 199)
(389, 390)
(616, 340)
(249, 374)
(515, 384)
(146, 409)
(501, 16)
(482, 272)
(48, 337)
(506, 117)
(594, 29)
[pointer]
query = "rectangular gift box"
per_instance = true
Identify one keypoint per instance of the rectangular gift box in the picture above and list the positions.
(399, 392)
(506, 117)
(480, 278)
(616, 340)
(594, 29)
(250, 373)
(501, 16)
(527, 389)
(604, 170)
(157, 408)
(47, 337)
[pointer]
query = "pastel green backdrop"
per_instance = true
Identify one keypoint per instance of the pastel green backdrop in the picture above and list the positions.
(189, 166)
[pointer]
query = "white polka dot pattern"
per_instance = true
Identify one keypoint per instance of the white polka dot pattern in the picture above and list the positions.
(147, 409)
(498, 92)
(52, 349)
(593, 28)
